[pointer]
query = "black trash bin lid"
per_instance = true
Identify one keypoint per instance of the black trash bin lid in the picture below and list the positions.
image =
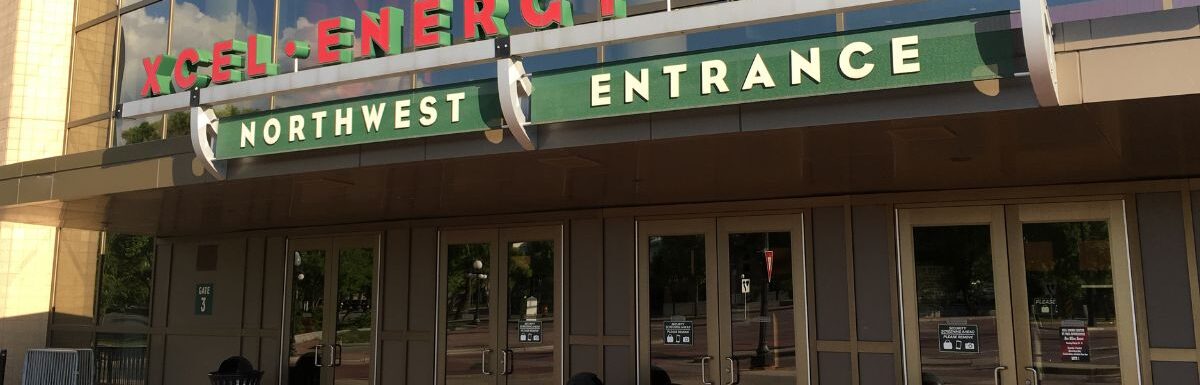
(235, 365)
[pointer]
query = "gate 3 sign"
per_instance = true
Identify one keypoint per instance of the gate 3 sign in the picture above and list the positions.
(957, 50)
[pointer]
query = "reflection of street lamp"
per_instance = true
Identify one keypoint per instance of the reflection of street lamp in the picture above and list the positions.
(760, 356)
(476, 267)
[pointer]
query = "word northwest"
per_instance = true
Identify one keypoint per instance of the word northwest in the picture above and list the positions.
(380, 35)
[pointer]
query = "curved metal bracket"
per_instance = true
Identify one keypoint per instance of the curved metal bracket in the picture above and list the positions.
(514, 87)
(1038, 33)
(204, 138)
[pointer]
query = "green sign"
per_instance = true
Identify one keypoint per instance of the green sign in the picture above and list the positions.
(949, 51)
(376, 118)
(204, 299)
(957, 50)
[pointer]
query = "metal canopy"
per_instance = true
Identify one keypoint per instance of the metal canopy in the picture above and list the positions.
(643, 27)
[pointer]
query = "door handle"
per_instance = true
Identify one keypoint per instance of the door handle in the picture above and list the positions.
(704, 370)
(734, 376)
(337, 354)
(483, 358)
(317, 350)
(996, 373)
(1035, 376)
(506, 361)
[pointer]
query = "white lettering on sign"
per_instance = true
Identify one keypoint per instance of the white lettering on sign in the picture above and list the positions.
(295, 128)
(713, 76)
(674, 71)
(810, 66)
(403, 113)
(454, 100)
(601, 89)
(639, 85)
(759, 75)
(847, 67)
(248, 134)
(429, 114)
(901, 55)
(319, 118)
(372, 114)
(854, 62)
(271, 131)
(343, 119)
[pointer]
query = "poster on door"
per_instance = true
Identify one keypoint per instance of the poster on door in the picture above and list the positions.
(677, 332)
(529, 331)
(958, 338)
(1075, 347)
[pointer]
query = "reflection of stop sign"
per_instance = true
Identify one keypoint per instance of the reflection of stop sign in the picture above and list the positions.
(770, 256)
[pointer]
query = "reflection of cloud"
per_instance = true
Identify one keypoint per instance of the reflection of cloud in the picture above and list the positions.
(195, 29)
(142, 36)
(146, 35)
(302, 30)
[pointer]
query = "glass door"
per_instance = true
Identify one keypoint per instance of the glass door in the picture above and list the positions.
(1018, 294)
(760, 262)
(529, 344)
(721, 301)
(677, 302)
(1069, 265)
(332, 310)
(501, 306)
(954, 286)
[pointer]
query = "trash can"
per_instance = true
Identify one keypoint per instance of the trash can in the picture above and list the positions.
(235, 371)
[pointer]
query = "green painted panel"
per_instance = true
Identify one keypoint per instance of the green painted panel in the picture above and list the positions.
(948, 51)
(425, 112)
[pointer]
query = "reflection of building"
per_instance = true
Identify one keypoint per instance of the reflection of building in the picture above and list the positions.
(423, 256)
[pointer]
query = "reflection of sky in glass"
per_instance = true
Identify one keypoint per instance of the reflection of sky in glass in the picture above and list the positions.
(143, 34)
(722, 38)
(1060, 10)
(200, 23)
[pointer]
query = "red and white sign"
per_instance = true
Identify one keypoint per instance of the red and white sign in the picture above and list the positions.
(769, 255)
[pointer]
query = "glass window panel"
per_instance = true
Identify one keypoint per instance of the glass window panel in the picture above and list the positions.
(121, 359)
(531, 306)
(344, 91)
(75, 277)
(308, 316)
(126, 268)
(200, 23)
(298, 21)
(924, 11)
(179, 125)
(1062, 11)
(88, 10)
(468, 314)
(131, 131)
(143, 34)
(91, 71)
(761, 311)
(88, 137)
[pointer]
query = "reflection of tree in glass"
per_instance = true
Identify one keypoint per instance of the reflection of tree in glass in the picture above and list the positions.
(125, 274)
(676, 272)
(1078, 256)
(462, 282)
(308, 292)
(355, 277)
(531, 273)
(177, 125)
(954, 270)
